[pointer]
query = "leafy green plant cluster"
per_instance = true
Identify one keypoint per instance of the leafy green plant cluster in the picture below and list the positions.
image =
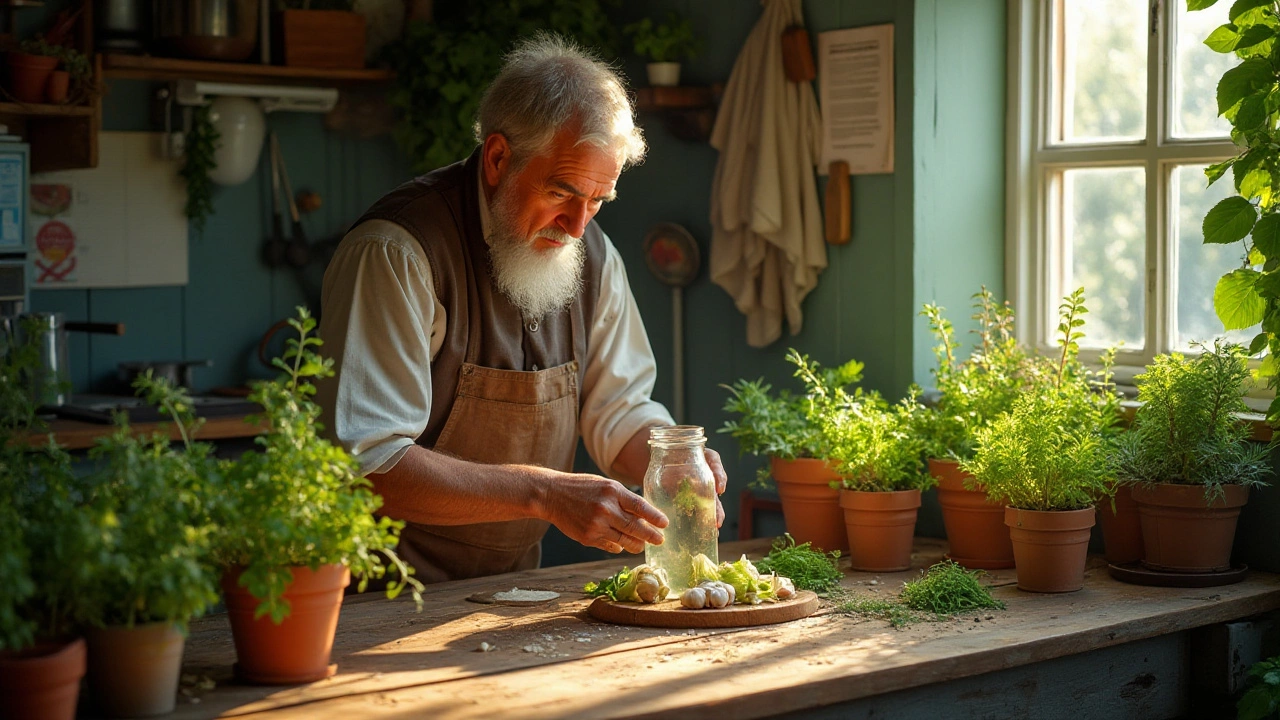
(1188, 429)
(46, 533)
(808, 569)
(947, 588)
(1261, 699)
(154, 557)
(442, 67)
(664, 42)
(778, 425)
(1248, 96)
(298, 499)
(871, 443)
(201, 144)
(1052, 450)
(976, 390)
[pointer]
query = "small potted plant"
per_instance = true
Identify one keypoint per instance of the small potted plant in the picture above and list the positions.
(46, 548)
(155, 571)
(880, 460)
(664, 44)
(1049, 459)
(33, 67)
(777, 427)
(1191, 456)
(296, 521)
(973, 392)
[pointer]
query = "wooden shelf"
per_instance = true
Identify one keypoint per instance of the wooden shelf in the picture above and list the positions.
(139, 67)
(688, 111)
(37, 110)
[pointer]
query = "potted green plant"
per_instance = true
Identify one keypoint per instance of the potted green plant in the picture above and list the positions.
(1192, 458)
(1049, 459)
(46, 549)
(973, 392)
(442, 67)
(880, 460)
(296, 521)
(155, 571)
(30, 69)
(777, 427)
(664, 44)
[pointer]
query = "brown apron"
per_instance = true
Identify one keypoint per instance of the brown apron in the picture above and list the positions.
(499, 417)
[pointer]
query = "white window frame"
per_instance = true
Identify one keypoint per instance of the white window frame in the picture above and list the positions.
(1031, 159)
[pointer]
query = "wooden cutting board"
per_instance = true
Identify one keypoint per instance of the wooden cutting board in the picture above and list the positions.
(669, 613)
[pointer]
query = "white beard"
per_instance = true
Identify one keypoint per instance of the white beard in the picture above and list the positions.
(539, 282)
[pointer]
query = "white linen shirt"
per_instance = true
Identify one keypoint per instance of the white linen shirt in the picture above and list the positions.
(383, 325)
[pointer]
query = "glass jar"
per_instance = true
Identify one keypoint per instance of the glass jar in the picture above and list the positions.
(680, 484)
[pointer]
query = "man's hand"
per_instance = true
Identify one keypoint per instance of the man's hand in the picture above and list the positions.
(602, 513)
(722, 481)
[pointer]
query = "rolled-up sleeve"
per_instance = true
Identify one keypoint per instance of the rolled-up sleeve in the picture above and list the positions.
(381, 323)
(620, 369)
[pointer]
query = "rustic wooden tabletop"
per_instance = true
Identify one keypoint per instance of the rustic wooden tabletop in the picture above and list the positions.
(554, 660)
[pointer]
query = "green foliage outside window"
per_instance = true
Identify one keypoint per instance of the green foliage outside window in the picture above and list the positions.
(1052, 450)
(442, 67)
(299, 500)
(1188, 429)
(1248, 96)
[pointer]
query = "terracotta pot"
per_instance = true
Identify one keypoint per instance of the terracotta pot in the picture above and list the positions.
(55, 90)
(133, 671)
(1183, 533)
(1050, 548)
(297, 650)
(28, 76)
(975, 526)
(810, 506)
(1121, 529)
(42, 682)
(881, 528)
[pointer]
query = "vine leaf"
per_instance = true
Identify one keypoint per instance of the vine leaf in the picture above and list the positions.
(1236, 299)
(1200, 4)
(1230, 220)
(1266, 235)
(1242, 81)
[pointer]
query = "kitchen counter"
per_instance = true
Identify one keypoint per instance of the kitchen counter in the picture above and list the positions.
(1109, 650)
(79, 435)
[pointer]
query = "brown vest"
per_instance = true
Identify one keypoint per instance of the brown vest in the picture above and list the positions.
(504, 390)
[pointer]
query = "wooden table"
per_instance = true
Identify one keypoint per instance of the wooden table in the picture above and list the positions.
(554, 661)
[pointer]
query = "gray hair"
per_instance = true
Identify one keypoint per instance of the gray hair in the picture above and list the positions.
(547, 83)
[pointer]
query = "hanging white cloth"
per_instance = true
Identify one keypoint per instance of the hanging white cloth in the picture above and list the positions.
(767, 245)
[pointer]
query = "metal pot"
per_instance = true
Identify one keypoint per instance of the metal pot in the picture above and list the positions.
(177, 372)
(122, 24)
(208, 29)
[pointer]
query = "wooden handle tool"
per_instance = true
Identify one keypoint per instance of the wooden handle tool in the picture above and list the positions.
(839, 202)
(797, 55)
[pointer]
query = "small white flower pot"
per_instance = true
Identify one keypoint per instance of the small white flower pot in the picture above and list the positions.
(664, 74)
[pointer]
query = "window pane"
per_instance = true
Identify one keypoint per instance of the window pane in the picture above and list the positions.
(1103, 249)
(1101, 73)
(1198, 266)
(1196, 70)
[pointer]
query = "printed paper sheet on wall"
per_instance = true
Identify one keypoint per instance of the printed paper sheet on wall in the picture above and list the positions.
(120, 224)
(855, 83)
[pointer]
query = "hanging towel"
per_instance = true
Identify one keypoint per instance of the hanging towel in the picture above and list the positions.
(767, 245)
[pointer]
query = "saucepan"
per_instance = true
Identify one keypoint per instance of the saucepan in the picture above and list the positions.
(49, 379)
(177, 372)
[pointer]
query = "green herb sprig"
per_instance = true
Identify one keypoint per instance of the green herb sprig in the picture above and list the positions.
(809, 569)
(948, 588)
(608, 587)
(1262, 698)
(895, 612)
(201, 142)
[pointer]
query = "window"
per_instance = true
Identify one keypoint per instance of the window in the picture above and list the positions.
(1113, 119)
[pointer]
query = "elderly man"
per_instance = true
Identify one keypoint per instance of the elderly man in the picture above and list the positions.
(481, 321)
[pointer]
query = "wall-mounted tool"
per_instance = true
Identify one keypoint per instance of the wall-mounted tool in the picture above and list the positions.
(673, 257)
